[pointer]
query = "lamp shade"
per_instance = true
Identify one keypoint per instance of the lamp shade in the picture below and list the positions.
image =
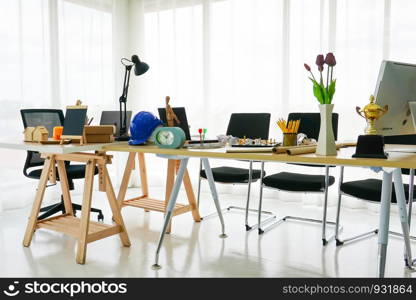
(140, 67)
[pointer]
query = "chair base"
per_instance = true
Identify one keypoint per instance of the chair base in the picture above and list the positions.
(361, 236)
(238, 208)
(325, 241)
(60, 207)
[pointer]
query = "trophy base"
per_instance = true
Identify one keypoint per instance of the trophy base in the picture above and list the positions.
(370, 146)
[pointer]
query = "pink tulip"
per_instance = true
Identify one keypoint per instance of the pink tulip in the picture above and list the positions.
(320, 62)
(307, 67)
(330, 59)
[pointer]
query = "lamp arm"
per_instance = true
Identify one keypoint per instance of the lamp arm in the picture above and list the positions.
(123, 101)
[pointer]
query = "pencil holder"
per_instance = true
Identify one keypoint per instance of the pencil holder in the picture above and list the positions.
(290, 139)
(57, 132)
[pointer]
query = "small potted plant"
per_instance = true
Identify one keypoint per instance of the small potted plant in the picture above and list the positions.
(324, 91)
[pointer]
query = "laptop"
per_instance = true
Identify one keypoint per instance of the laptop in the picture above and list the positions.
(181, 114)
(112, 117)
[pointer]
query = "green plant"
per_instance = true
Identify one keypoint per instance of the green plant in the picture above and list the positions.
(324, 93)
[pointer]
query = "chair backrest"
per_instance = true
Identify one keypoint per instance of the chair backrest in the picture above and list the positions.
(36, 117)
(310, 123)
(249, 125)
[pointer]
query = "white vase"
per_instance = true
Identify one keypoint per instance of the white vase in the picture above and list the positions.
(326, 141)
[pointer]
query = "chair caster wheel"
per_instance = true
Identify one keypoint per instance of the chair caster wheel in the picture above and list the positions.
(100, 217)
(261, 231)
(324, 242)
(248, 228)
(338, 242)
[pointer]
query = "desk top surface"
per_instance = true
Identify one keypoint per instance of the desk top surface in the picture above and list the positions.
(343, 157)
(51, 148)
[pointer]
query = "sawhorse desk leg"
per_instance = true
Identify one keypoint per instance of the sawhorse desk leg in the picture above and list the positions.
(172, 201)
(149, 204)
(383, 233)
(84, 230)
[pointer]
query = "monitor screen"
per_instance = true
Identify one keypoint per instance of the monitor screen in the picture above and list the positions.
(181, 114)
(112, 117)
(396, 87)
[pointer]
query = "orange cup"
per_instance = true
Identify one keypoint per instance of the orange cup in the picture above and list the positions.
(57, 132)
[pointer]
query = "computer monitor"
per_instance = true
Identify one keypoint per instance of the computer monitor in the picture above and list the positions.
(181, 114)
(112, 117)
(396, 87)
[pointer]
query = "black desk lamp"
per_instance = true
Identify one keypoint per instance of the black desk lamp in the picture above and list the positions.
(139, 69)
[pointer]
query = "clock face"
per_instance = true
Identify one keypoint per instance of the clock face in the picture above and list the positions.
(165, 137)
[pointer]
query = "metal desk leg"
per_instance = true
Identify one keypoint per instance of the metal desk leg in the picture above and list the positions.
(401, 203)
(170, 207)
(250, 179)
(214, 194)
(384, 219)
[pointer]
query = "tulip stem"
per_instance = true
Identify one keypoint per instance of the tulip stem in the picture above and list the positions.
(327, 78)
(312, 75)
(332, 69)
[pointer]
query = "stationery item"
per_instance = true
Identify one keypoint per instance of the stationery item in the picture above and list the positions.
(249, 149)
(90, 121)
(290, 139)
(99, 134)
(57, 132)
(204, 131)
(304, 149)
(290, 127)
(200, 135)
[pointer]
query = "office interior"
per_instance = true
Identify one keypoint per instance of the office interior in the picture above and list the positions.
(215, 58)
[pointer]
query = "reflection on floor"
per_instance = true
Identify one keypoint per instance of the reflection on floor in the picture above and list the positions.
(292, 249)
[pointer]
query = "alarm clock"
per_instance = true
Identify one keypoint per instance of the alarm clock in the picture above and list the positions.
(169, 137)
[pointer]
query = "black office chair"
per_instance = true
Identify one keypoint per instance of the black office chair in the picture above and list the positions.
(306, 183)
(249, 125)
(370, 190)
(51, 118)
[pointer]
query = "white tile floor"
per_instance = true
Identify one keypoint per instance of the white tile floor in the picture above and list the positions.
(292, 249)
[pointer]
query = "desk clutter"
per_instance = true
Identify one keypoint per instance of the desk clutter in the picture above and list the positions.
(75, 129)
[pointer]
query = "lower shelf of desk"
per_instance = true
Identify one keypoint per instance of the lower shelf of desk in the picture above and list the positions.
(70, 225)
(155, 205)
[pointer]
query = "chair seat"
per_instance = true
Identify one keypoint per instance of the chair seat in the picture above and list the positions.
(72, 171)
(232, 175)
(369, 189)
(297, 182)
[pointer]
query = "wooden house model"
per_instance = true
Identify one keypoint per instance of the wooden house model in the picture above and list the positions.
(40, 134)
(28, 134)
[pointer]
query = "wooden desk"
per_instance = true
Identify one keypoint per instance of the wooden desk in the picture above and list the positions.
(391, 167)
(84, 230)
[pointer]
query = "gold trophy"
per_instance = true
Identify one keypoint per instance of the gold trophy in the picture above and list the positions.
(371, 145)
(371, 113)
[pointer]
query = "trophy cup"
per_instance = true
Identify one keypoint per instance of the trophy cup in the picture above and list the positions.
(371, 145)
(371, 113)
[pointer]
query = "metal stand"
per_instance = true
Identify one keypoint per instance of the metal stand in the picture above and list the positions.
(246, 209)
(324, 222)
(174, 195)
